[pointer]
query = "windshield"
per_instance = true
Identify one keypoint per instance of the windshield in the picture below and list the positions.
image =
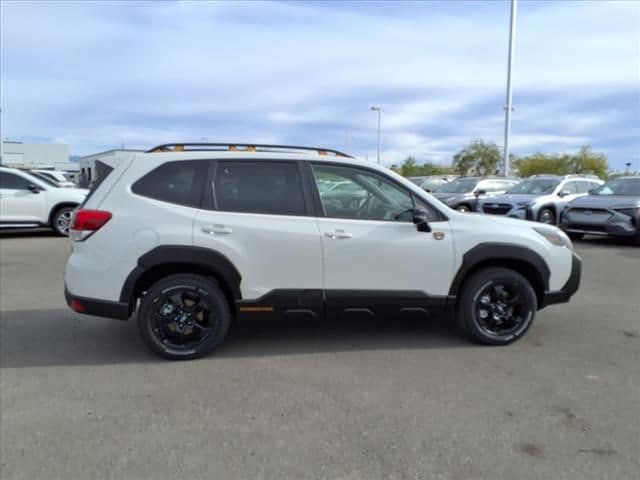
(621, 186)
(44, 179)
(462, 185)
(536, 187)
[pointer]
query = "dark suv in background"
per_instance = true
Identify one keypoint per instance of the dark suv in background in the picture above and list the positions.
(610, 210)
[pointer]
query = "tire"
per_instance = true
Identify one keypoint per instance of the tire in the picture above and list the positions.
(463, 208)
(575, 236)
(502, 287)
(183, 317)
(547, 216)
(635, 240)
(61, 220)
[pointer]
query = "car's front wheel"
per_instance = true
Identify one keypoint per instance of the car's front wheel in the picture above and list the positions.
(497, 306)
(547, 215)
(184, 317)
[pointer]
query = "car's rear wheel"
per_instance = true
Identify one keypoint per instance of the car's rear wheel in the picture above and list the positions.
(547, 215)
(61, 220)
(184, 317)
(497, 306)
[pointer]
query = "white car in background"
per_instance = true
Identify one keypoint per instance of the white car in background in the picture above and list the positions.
(30, 201)
(59, 177)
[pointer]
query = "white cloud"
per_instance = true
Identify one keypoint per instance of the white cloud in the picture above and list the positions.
(103, 73)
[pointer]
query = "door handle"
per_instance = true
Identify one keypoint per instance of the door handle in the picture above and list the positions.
(213, 229)
(338, 233)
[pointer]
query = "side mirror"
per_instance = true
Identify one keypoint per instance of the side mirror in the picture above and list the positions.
(480, 192)
(564, 193)
(420, 220)
(33, 188)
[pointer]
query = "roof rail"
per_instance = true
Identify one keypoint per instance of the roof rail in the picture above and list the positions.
(233, 147)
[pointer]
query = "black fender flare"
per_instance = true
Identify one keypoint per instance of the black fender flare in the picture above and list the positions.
(502, 253)
(200, 258)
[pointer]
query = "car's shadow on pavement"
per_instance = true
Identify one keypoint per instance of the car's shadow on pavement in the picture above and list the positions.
(593, 241)
(27, 233)
(31, 338)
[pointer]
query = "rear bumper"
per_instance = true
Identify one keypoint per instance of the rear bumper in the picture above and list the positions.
(568, 289)
(99, 308)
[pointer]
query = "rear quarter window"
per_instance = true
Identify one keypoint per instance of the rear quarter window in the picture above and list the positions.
(180, 183)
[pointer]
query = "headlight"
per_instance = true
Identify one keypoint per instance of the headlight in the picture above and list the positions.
(555, 237)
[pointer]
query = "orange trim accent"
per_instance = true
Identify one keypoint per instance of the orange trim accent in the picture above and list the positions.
(179, 148)
(232, 148)
(251, 148)
(255, 309)
(322, 152)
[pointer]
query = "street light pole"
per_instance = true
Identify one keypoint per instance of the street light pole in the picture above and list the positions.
(509, 107)
(379, 110)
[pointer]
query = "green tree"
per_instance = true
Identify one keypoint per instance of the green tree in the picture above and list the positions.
(585, 161)
(410, 168)
(478, 158)
(588, 161)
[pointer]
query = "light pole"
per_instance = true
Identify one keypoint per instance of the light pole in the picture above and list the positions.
(379, 110)
(509, 107)
(628, 164)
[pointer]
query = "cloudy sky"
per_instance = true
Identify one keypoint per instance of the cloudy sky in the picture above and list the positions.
(100, 75)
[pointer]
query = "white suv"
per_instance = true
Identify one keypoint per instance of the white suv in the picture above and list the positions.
(195, 236)
(32, 201)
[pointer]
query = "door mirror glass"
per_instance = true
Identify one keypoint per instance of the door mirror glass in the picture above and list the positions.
(420, 220)
(480, 192)
(564, 193)
(33, 188)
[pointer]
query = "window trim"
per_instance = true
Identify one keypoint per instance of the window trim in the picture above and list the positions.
(197, 200)
(320, 213)
(210, 201)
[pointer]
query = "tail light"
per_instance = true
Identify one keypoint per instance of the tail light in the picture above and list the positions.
(86, 222)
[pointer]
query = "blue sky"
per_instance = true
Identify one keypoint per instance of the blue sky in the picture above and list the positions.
(97, 75)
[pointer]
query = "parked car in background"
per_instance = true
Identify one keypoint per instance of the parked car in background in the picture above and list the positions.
(192, 237)
(417, 180)
(30, 201)
(540, 198)
(462, 194)
(432, 183)
(613, 210)
(58, 177)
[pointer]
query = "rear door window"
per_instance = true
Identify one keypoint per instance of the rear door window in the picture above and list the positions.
(180, 182)
(269, 187)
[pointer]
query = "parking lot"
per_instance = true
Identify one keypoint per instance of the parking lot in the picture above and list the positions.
(81, 397)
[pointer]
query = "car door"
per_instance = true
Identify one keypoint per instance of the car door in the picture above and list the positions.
(373, 254)
(567, 192)
(19, 200)
(259, 216)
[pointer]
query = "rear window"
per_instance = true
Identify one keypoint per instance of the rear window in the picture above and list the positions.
(180, 183)
(259, 187)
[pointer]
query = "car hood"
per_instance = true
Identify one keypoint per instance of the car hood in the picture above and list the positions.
(451, 197)
(510, 198)
(605, 201)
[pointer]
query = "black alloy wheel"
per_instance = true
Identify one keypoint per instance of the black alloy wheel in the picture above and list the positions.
(184, 317)
(497, 306)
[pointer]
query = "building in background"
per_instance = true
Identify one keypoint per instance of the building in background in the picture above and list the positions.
(37, 156)
(89, 165)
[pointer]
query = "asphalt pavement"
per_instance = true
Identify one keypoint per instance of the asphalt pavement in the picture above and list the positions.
(82, 398)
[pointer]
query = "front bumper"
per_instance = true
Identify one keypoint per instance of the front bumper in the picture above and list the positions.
(606, 223)
(99, 308)
(568, 289)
